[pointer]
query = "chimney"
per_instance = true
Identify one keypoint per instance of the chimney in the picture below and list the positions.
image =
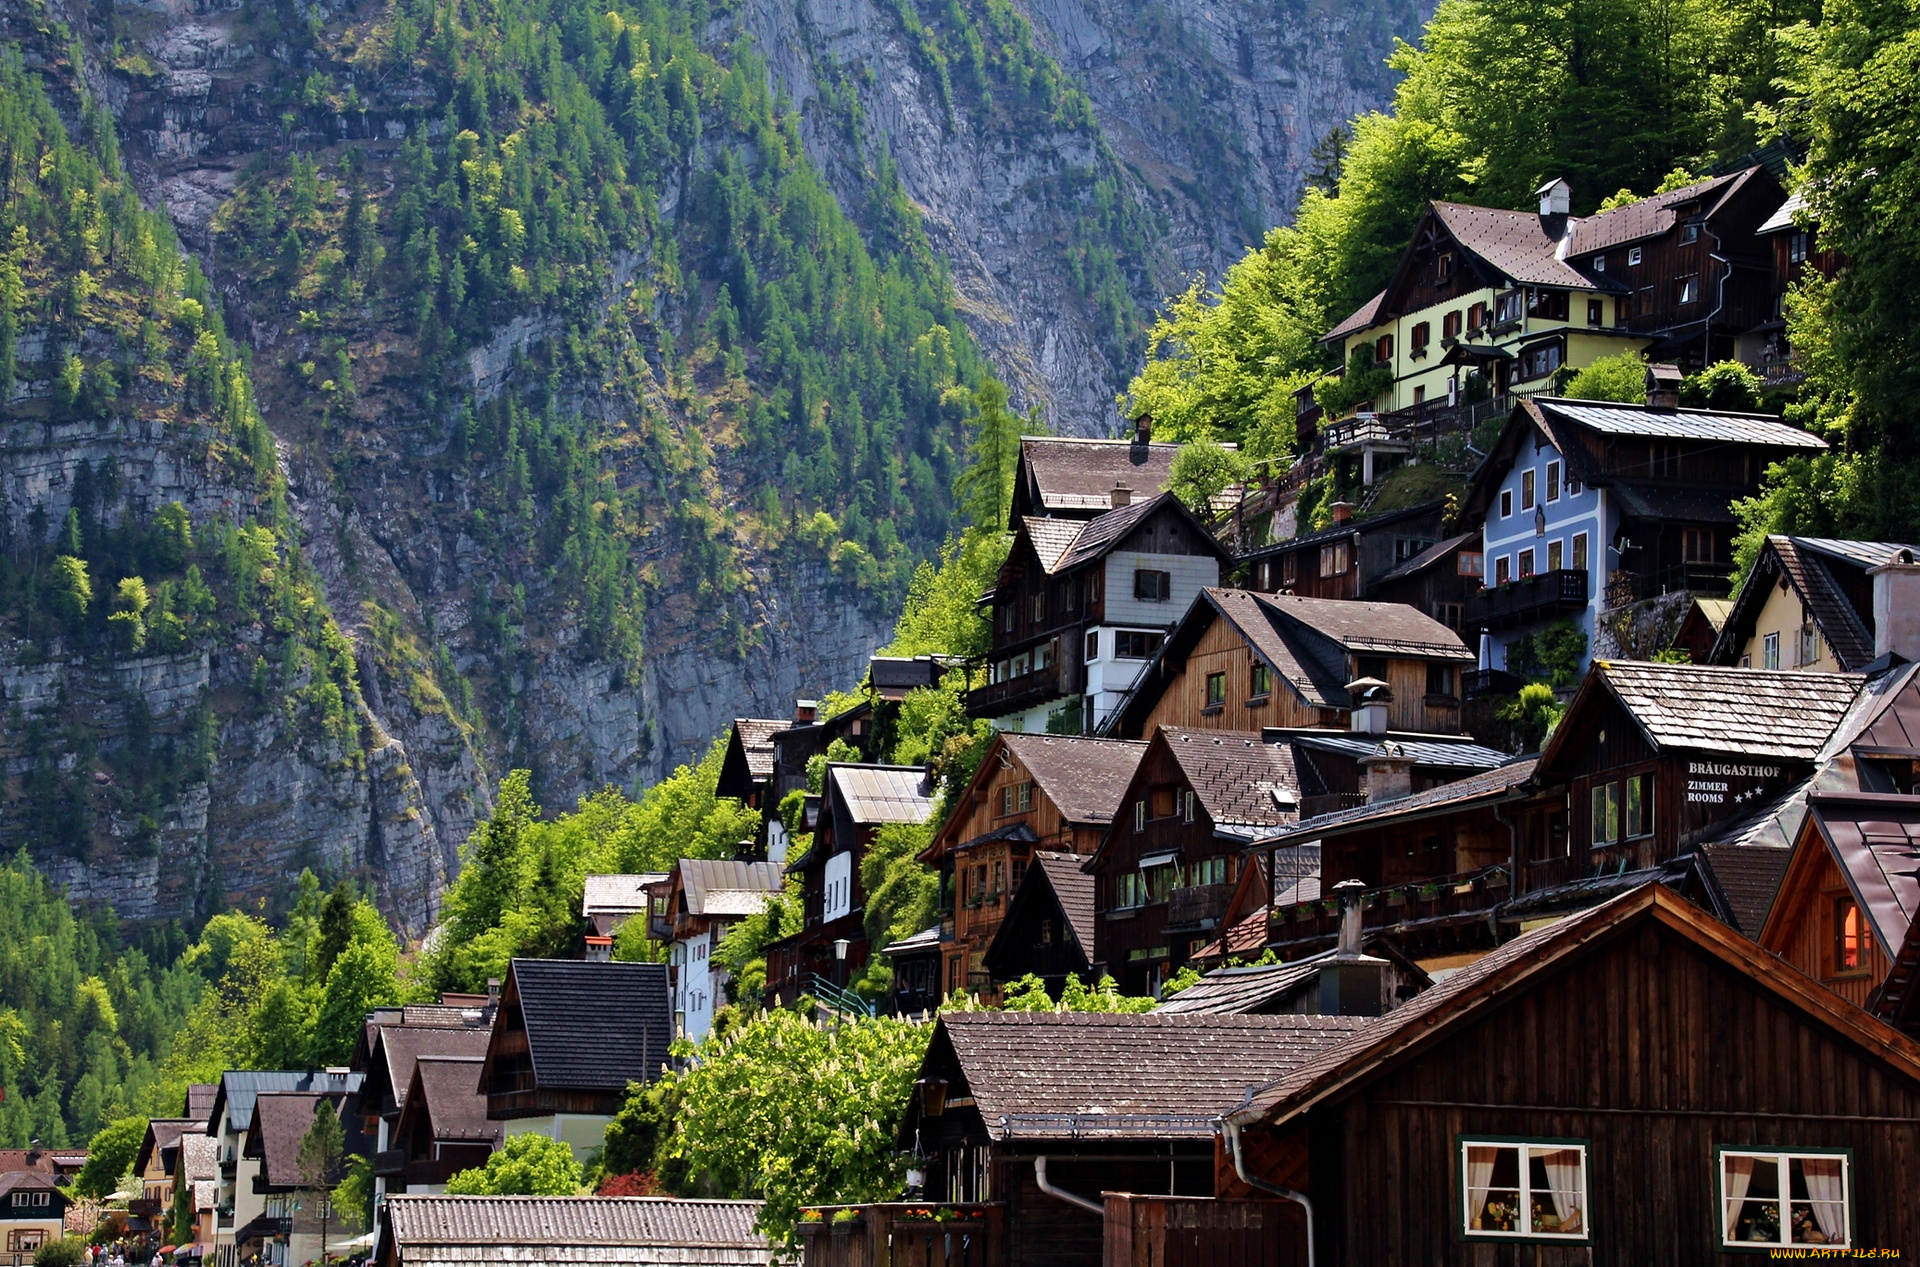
(493, 993)
(1663, 388)
(1122, 495)
(1342, 512)
(1556, 198)
(1896, 607)
(1389, 773)
(1351, 983)
(805, 712)
(1143, 429)
(1370, 697)
(599, 950)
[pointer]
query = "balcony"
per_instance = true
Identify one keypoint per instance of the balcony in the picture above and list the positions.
(1704, 580)
(1413, 906)
(1198, 908)
(904, 1234)
(1017, 694)
(1486, 683)
(390, 1162)
(1529, 600)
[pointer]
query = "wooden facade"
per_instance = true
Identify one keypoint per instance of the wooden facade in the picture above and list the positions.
(1643, 1033)
(1347, 560)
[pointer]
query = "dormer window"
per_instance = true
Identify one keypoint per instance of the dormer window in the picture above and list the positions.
(1633, 257)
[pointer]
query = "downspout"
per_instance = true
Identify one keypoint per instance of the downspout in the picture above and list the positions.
(1040, 1178)
(1231, 1130)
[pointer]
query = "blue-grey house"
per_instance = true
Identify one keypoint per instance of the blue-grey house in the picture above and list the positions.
(1612, 517)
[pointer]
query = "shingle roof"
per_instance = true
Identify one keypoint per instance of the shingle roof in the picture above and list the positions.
(1073, 889)
(594, 1026)
(1371, 627)
(1646, 218)
(1741, 712)
(1516, 244)
(1052, 538)
(1488, 786)
(1049, 1074)
(454, 1103)
(1783, 218)
(1359, 319)
(1319, 680)
(882, 793)
(1083, 777)
(284, 1118)
(1426, 558)
(1805, 560)
(163, 1133)
(1875, 839)
(401, 1045)
(1076, 475)
(1240, 991)
(1104, 532)
(200, 1099)
(1681, 424)
(1236, 775)
(580, 1229)
(617, 894)
(926, 939)
(1430, 751)
(755, 735)
(239, 1088)
(1748, 876)
(201, 1155)
(716, 886)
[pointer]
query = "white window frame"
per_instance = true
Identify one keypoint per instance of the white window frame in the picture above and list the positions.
(1633, 255)
(1783, 1157)
(1526, 1230)
(1770, 651)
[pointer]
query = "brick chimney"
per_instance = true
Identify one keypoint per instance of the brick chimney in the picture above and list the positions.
(1342, 512)
(805, 712)
(1122, 495)
(1389, 773)
(1896, 607)
(1663, 388)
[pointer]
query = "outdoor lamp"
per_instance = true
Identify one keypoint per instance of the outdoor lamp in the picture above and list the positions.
(840, 945)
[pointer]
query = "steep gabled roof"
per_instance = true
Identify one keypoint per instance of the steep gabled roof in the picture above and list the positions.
(1808, 564)
(1473, 991)
(1874, 838)
(1433, 554)
(1715, 709)
(590, 1026)
(238, 1090)
(1073, 888)
(1244, 784)
(1060, 475)
(399, 1046)
(1493, 785)
(446, 1091)
(1054, 884)
(1051, 538)
(1651, 216)
(163, 1136)
(1084, 777)
(1516, 245)
(1748, 877)
(1049, 1075)
(280, 1122)
(438, 1230)
(722, 887)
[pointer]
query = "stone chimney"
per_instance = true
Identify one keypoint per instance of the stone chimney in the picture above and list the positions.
(1389, 773)
(493, 993)
(1663, 388)
(1342, 512)
(1896, 607)
(805, 712)
(1351, 983)
(1122, 495)
(599, 950)
(1368, 715)
(1143, 429)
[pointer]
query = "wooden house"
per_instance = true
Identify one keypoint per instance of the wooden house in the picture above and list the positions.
(1700, 628)
(916, 966)
(746, 772)
(830, 951)
(1049, 928)
(568, 1039)
(1588, 508)
(1240, 660)
(389, 1078)
(607, 902)
(242, 1205)
(1030, 792)
(1635, 1084)
(1348, 559)
(1796, 253)
(1438, 581)
(1816, 604)
(701, 898)
(1166, 867)
(443, 1128)
(437, 1231)
(176, 1152)
(1067, 477)
(1081, 604)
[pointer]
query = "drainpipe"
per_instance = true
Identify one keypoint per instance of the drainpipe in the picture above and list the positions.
(1040, 1178)
(1231, 1130)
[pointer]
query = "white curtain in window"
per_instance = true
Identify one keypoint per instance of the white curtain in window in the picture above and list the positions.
(1738, 1173)
(1563, 1178)
(1479, 1179)
(1827, 1186)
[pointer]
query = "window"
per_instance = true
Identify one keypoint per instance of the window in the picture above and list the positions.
(1006, 617)
(1289, 568)
(1639, 806)
(1476, 316)
(1216, 689)
(1663, 461)
(1506, 503)
(1524, 1190)
(1852, 939)
(1470, 563)
(1452, 615)
(1373, 666)
(1599, 263)
(1422, 335)
(1260, 680)
(1334, 557)
(1016, 798)
(1093, 587)
(1797, 244)
(1187, 804)
(1135, 644)
(1502, 570)
(1579, 551)
(1526, 490)
(1806, 646)
(1689, 233)
(1440, 679)
(1689, 290)
(1553, 481)
(1419, 393)
(1405, 548)
(1555, 556)
(1596, 312)
(1633, 256)
(1573, 484)
(1152, 586)
(1812, 1206)
(1548, 305)
(1139, 815)
(1383, 349)
(1508, 307)
(1132, 890)
(1526, 564)
(1450, 325)
(1444, 265)
(1540, 360)
(1770, 651)
(1093, 645)
(1037, 608)
(1606, 814)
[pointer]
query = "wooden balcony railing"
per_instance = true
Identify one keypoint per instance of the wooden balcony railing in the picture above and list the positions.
(904, 1234)
(1198, 907)
(1029, 690)
(1438, 899)
(1541, 596)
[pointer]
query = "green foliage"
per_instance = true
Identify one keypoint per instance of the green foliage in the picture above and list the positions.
(1725, 385)
(110, 1154)
(322, 1149)
(526, 1165)
(903, 894)
(1187, 976)
(743, 950)
(638, 1136)
(798, 1115)
(1553, 654)
(67, 1251)
(1533, 713)
(1202, 470)
(1029, 994)
(1362, 381)
(1621, 377)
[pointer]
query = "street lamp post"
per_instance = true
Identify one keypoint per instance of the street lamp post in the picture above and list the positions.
(840, 945)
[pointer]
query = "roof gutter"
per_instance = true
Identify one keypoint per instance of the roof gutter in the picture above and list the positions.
(1231, 1129)
(1040, 1178)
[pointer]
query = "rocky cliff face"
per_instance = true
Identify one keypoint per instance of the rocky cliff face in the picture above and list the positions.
(1062, 223)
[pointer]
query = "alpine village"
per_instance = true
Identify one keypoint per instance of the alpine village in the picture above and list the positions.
(959, 633)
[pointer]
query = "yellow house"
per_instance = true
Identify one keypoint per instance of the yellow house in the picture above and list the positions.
(32, 1210)
(1823, 605)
